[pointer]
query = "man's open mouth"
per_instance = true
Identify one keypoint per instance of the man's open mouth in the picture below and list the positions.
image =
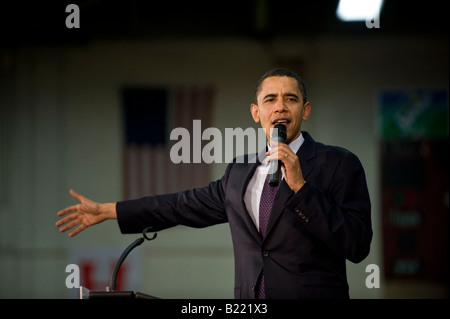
(281, 121)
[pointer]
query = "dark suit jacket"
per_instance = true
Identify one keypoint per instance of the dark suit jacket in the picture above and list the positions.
(310, 234)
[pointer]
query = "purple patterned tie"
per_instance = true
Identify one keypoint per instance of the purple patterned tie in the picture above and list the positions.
(265, 206)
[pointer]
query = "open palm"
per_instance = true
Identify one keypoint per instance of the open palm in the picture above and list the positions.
(83, 215)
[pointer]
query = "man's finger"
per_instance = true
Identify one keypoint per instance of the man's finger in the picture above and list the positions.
(66, 219)
(76, 195)
(77, 230)
(70, 225)
(67, 210)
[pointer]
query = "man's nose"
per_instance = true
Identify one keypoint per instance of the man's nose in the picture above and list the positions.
(280, 106)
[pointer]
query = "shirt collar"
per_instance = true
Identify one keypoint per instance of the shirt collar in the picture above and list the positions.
(295, 144)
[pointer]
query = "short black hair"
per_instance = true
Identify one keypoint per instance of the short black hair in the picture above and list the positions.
(282, 72)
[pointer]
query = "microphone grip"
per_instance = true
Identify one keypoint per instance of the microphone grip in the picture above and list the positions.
(274, 173)
(279, 135)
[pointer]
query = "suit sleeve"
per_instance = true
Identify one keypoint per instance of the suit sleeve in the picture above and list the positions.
(198, 207)
(338, 211)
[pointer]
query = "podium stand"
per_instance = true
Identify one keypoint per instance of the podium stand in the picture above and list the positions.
(100, 294)
(111, 292)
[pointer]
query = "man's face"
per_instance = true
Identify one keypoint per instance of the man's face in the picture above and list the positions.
(280, 101)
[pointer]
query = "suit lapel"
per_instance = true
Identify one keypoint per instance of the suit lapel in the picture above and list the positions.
(305, 153)
(246, 173)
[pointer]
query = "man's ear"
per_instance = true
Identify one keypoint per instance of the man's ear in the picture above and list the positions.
(255, 112)
(306, 111)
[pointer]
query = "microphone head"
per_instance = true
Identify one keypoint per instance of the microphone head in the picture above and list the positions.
(279, 133)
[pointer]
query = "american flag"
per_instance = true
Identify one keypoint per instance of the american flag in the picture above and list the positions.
(150, 116)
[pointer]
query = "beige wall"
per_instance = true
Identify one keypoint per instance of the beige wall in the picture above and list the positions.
(61, 127)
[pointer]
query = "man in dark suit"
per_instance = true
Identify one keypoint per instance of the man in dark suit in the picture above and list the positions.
(318, 219)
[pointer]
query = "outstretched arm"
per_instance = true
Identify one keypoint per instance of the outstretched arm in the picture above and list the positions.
(84, 214)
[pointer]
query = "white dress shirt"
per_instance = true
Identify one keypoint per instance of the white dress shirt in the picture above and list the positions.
(252, 195)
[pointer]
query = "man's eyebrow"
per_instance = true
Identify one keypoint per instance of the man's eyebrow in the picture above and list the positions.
(270, 96)
(291, 95)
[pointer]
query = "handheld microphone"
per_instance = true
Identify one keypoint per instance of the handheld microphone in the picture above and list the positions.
(278, 135)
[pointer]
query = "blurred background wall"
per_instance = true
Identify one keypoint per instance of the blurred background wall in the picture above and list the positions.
(62, 126)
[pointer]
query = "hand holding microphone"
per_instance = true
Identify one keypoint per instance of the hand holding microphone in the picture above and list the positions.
(280, 155)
